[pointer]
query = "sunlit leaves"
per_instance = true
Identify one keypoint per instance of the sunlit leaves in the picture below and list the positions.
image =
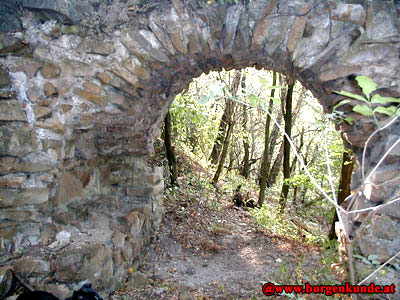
(204, 99)
(254, 100)
(370, 105)
(383, 100)
(390, 111)
(351, 95)
(371, 259)
(263, 81)
(349, 120)
(216, 91)
(366, 84)
(343, 102)
(363, 110)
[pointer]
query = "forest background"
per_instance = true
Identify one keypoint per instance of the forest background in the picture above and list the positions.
(231, 122)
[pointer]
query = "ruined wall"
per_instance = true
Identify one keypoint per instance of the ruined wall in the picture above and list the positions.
(85, 86)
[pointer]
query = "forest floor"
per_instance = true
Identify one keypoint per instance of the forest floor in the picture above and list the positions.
(207, 248)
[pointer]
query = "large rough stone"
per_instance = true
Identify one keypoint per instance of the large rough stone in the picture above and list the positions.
(130, 223)
(11, 197)
(50, 70)
(104, 77)
(4, 78)
(42, 112)
(96, 47)
(11, 110)
(296, 33)
(69, 188)
(392, 210)
(380, 22)
(14, 165)
(32, 196)
(85, 146)
(67, 12)
(49, 89)
(77, 68)
(17, 215)
(12, 181)
(34, 93)
(394, 153)
(78, 264)
(386, 276)
(90, 96)
(380, 236)
(9, 44)
(9, 21)
(171, 22)
(8, 229)
(231, 23)
(134, 66)
(353, 13)
(125, 75)
(17, 141)
(161, 35)
(31, 266)
(6, 279)
(27, 65)
(51, 124)
(92, 87)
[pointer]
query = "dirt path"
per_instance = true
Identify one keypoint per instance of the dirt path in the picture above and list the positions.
(204, 253)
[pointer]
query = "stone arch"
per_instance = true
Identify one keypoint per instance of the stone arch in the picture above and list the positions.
(90, 99)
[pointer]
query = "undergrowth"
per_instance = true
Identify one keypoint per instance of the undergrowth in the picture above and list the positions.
(297, 224)
(300, 222)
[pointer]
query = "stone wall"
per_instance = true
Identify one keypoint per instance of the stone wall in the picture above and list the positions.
(84, 88)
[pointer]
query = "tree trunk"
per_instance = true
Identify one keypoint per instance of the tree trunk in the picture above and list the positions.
(223, 154)
(286, 145)
(169, 150)
(273, 173)
(293, 165)
(231, 160)
(221, 135)
(230, 107)
(274, 135)
(344, 186)
(245, 166)
(295, 194)
(294, 162)
(225, 120)
(266, 160)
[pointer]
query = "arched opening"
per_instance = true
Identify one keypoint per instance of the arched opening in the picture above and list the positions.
(214, 245)
(93, 98)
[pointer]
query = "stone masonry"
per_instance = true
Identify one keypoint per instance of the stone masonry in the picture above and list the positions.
(84, 87)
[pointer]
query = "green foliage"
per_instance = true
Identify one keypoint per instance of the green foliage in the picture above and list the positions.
(191, 123)
(301, 275)
(367, 105)
(271, 219)
(216, 91)
(196, 115)
(197, 112)
(370, 260)
(299, 179)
